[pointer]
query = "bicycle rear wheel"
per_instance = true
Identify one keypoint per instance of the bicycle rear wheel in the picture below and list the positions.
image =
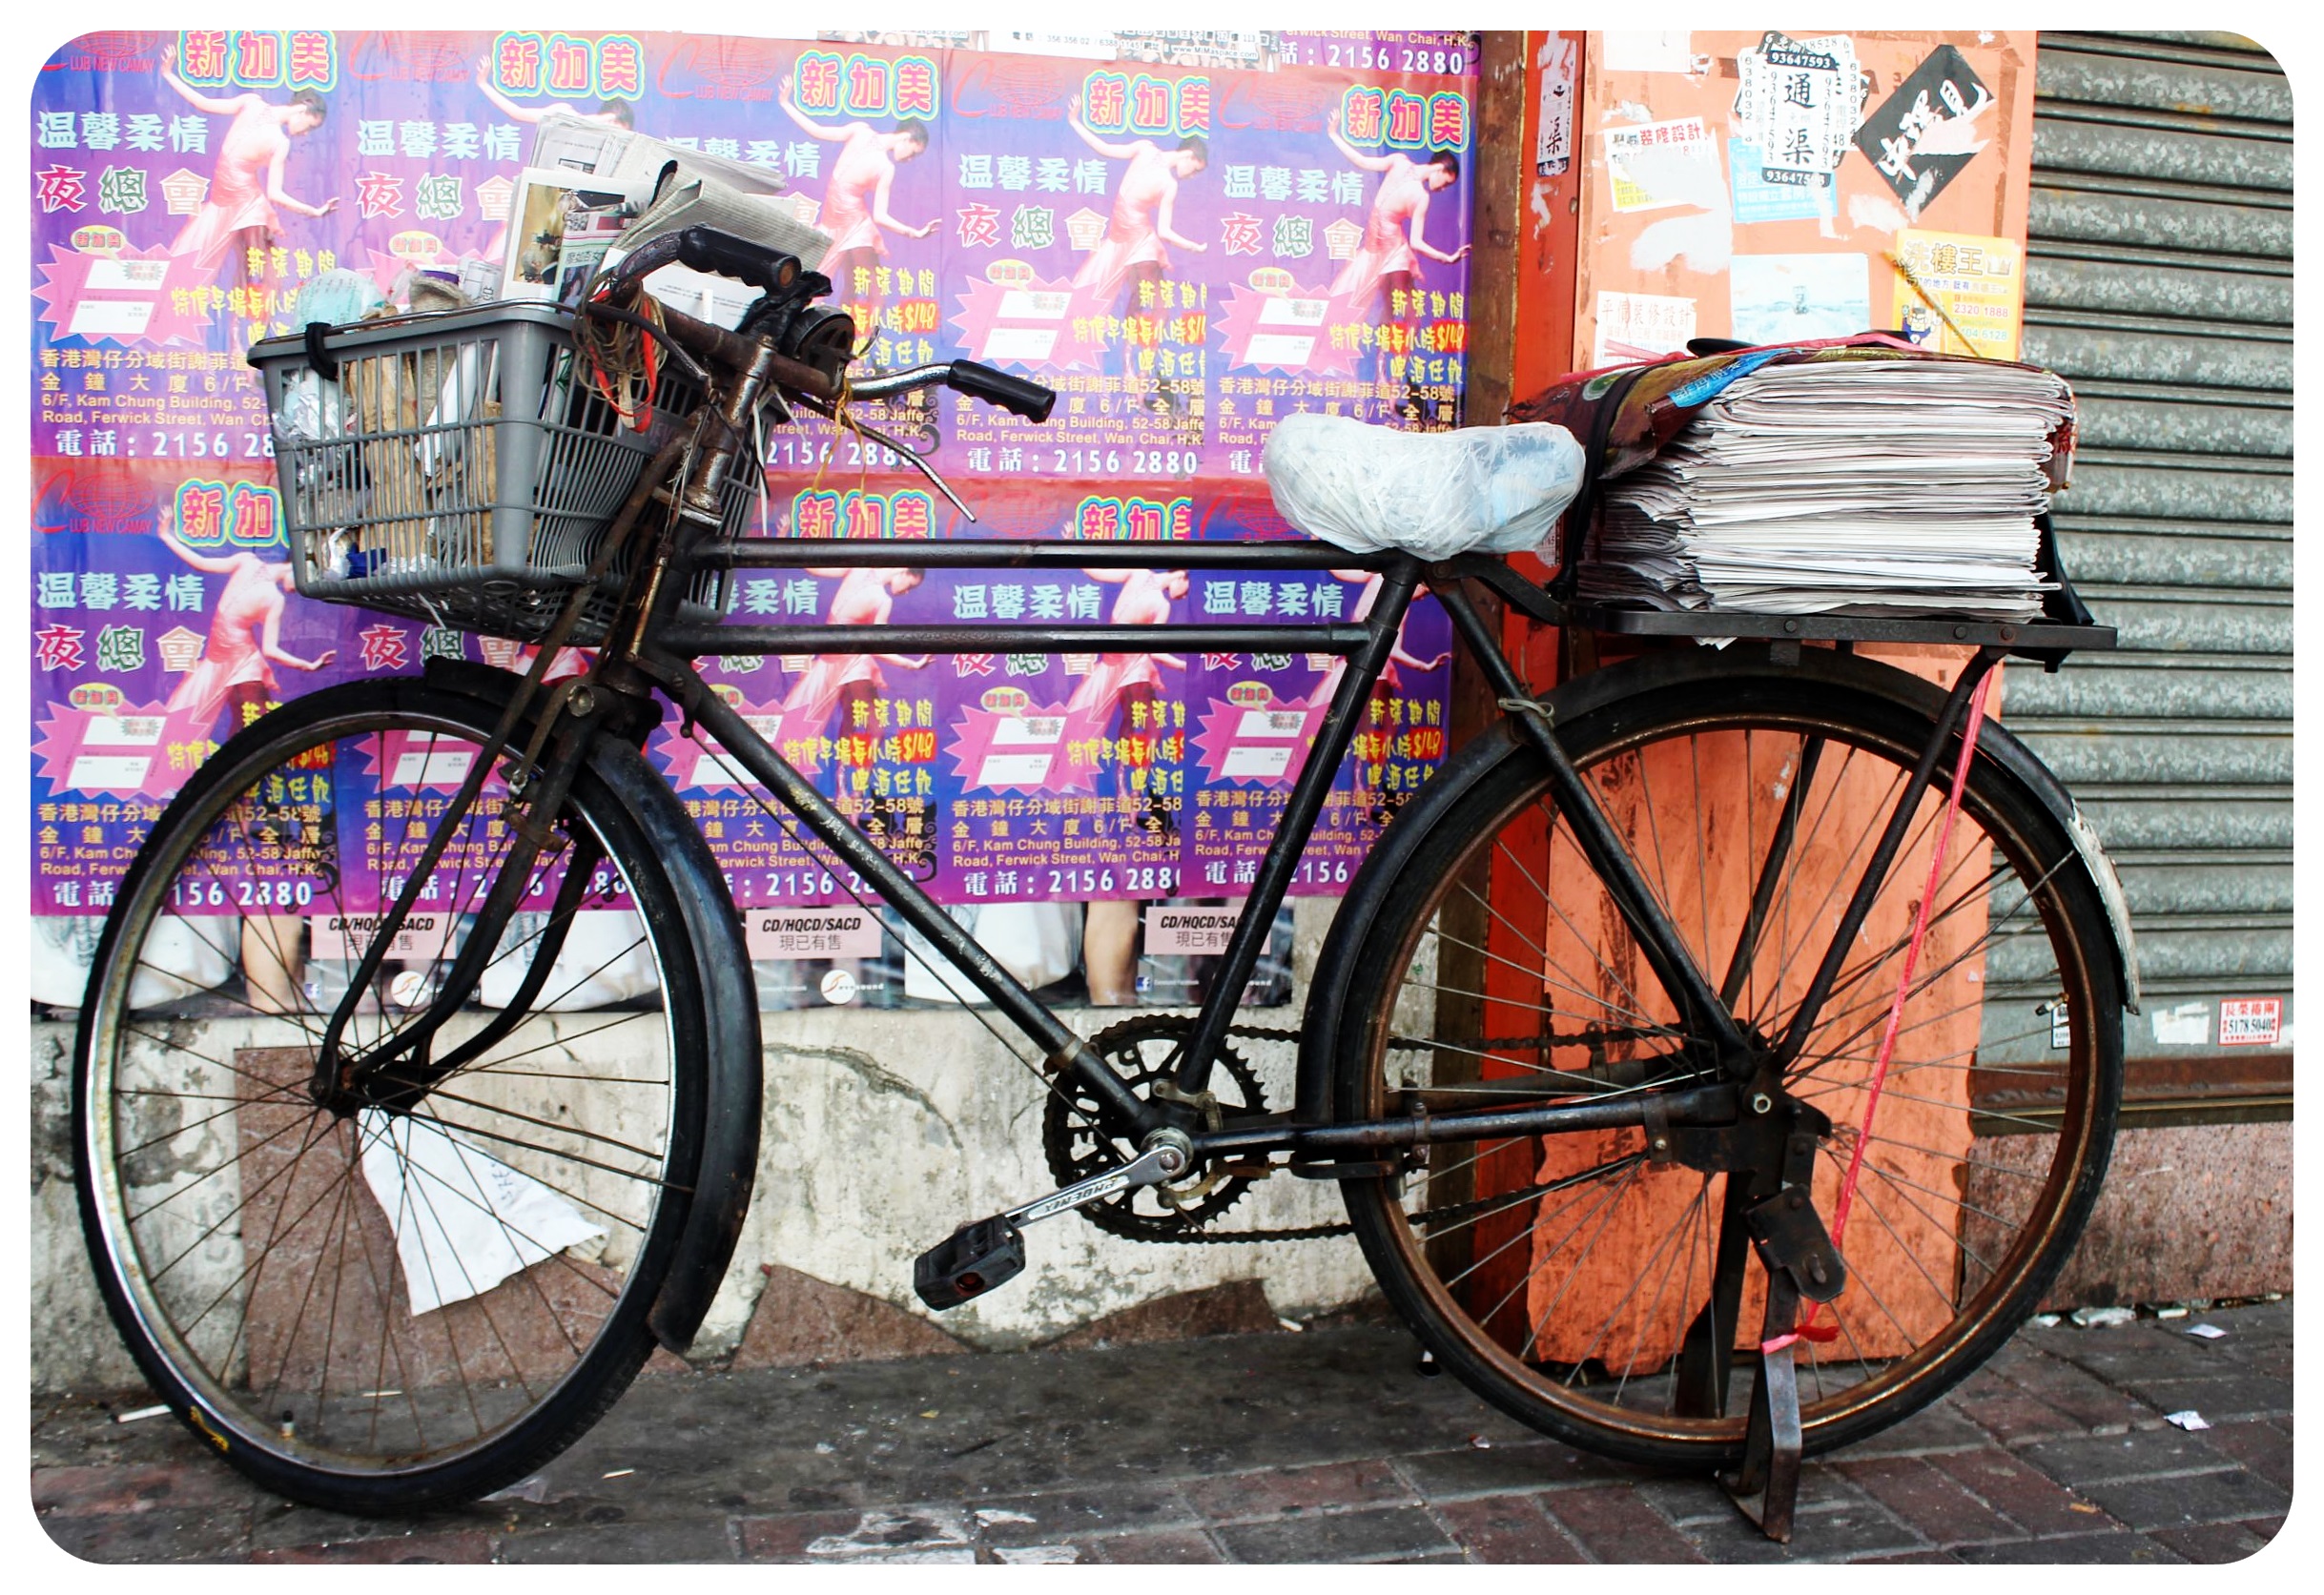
(1577, 1280)
(374, 1308)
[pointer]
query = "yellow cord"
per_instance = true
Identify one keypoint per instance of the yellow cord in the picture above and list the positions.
(843, 420)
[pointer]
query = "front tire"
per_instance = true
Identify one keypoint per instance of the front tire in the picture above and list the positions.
(381, 1310)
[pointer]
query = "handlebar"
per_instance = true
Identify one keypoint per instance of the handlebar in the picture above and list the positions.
(1013, 393)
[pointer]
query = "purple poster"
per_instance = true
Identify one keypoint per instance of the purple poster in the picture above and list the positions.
(1187, 234)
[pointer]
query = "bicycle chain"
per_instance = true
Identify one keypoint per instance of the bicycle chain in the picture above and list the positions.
(1213, 1237)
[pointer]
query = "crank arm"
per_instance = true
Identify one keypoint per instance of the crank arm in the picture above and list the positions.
(1161, 1161)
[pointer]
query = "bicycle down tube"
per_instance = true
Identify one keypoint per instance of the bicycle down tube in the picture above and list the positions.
(1367, 644)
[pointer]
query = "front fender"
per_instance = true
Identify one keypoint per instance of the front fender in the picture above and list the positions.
(728, 1165)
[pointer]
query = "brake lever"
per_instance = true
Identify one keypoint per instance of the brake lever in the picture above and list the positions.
(829, 413)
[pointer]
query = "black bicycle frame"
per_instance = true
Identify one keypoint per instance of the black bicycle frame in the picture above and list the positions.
(672, 647)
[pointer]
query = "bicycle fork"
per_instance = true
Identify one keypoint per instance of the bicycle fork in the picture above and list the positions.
(538, 788)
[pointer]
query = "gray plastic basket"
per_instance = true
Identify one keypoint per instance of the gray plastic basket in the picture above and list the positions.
(461, 469)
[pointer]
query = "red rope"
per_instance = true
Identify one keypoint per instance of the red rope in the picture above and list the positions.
(1809, 1329)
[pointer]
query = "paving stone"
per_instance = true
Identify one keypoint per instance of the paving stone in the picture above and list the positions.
(1280, 1491)
(2118, 1545)
(1934, 1503)
(1906, 1559)
(281, 1525)
(2264, 1449)
(144, 1488)
(699, 1540)
(1082, 1515)
(1174, 1546)
(886, 1530)
(1046, 1555)
(1378, 1534)
(154, 1536)
(1507, 1528)
(2220, 1396)
(2074, 1391)
(2034, 1502)
(1686, 1499)
(465, 1546)
(786, 1537)
(1612, 1524)
(1932, 1430)
(2212, 1543)
(2140, 1454)
(2132, 1354)
(2014, 1418)
(1544, 1465)
(1838, 1535)
(2188, 1499)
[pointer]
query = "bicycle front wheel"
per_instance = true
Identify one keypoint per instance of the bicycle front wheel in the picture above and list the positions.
(1580, 1282)
(377, 1307)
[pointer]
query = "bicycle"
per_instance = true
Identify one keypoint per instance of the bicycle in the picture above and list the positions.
(1589, 1051)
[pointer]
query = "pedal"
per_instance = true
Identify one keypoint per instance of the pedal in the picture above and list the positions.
(978, 1257)
(992, 1251)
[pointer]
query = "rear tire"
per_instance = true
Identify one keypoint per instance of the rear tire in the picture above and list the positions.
(379, 1311)
(1558, 1275)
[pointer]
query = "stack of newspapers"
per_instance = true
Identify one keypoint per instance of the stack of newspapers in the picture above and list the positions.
(1877, 488)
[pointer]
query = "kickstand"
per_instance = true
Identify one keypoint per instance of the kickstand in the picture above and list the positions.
(1766, 1487)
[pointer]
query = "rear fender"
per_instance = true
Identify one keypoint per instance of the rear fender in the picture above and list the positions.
(1334, 1011)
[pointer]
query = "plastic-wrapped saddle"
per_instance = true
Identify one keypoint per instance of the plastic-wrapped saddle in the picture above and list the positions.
(1483, 489)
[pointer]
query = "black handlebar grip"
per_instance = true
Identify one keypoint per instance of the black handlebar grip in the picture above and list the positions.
(706, 248)
(1013, 393)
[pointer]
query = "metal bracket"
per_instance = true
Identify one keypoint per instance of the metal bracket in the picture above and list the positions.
(1657, 1113)
(1204, 1102)
(1790, 1237)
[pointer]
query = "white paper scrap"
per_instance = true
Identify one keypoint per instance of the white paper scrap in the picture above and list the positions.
(2190, 1420)
(2205, 1331)
(463, 1220)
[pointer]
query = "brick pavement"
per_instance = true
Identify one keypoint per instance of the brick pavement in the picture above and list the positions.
(1265, 1448)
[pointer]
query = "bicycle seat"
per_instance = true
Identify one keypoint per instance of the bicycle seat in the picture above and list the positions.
(1481, 489)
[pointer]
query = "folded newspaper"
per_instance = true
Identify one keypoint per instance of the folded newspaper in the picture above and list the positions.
(1868, 478)
(672, 187)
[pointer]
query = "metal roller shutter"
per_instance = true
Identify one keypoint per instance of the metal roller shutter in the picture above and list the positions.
(2158, 281)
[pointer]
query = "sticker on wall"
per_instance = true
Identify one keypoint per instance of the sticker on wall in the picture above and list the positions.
(1641, 162)
(1790, 298)
(2188, 1024)
(1798, 100)
(1554, 139)
(1959, 293)
(1634, 327)
(1923, 134)
(1670, 50)
(2250, 1021)
(1758, 198)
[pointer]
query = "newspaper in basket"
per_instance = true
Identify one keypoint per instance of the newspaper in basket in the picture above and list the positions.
(460, 468)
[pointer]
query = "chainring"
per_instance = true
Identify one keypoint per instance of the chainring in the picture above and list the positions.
(1144, 1051)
